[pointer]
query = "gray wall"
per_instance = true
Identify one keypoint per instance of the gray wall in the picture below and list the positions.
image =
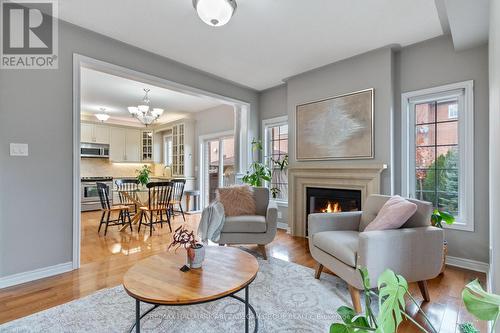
(494, 63)
(391, 72)
(433, 63)
(369, 70)
(273, 102)
(36, 108)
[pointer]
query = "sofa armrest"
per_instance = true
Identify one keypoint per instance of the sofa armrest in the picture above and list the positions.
(272, 216)
(414, 253)
(333, 221)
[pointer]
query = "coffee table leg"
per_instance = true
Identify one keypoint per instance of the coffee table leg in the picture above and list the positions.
(137, 316)
(246, 309)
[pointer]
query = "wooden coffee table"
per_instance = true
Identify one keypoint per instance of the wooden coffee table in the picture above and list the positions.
(157, 280)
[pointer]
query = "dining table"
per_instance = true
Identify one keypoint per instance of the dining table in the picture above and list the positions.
(139, 197)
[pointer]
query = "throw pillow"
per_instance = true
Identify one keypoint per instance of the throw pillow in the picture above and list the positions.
(237, 200)
(393, 214)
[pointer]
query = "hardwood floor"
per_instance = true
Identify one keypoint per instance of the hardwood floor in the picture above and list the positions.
(105, 260)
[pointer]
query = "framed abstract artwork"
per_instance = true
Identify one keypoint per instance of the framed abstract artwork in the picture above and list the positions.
(339, 127)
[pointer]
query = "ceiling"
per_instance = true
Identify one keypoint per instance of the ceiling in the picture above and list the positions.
(267, 40)
(115, 94)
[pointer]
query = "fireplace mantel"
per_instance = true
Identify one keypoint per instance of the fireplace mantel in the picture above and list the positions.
(356, 176)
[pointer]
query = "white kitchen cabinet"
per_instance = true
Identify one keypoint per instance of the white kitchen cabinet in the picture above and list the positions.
(132, 145)
(125, 145)
(87, 133)
(182, 149)
(92, 133)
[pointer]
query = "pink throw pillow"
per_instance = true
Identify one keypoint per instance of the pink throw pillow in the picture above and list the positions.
(237, 200)
(395, 212)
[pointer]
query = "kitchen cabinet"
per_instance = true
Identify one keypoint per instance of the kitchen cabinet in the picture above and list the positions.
(93, 133)
(147, 146)
(182, 149)
(124, 145)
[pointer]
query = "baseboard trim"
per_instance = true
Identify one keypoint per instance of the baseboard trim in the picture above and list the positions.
(40, 273)
(282, 225)
(470, 264)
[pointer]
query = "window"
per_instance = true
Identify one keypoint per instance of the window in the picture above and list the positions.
(438, 149)
(276, 149)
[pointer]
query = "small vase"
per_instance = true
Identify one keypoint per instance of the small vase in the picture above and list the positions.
(195, 255)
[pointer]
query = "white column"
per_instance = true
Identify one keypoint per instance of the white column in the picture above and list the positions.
(494, 172)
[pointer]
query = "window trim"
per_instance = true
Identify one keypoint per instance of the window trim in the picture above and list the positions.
(465, 142)
(271, 122)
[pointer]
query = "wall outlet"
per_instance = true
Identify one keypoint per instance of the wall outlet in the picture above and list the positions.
(280, 214)
(18, 149)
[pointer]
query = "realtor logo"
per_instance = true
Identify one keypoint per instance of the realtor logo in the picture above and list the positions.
(29, 34)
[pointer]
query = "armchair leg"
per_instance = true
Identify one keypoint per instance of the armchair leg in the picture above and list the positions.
(422, 285)
(262, 249)
(319, 269)
(356, 298)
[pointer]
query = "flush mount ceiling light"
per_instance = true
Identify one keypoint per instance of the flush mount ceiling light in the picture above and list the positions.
(143, 112)
(215, 13)
(103, 116)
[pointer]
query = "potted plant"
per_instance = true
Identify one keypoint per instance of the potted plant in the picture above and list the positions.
(143, 175)
(195, 250)
(437, 219)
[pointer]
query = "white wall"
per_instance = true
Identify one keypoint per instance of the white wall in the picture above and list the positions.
(36, 108)
(494, 123)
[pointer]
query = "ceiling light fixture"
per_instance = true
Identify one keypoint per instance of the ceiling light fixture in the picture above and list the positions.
(143, 112)
(215, 13)
(103, 116)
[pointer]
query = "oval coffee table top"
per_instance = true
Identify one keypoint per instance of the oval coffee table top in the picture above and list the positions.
(158, 279)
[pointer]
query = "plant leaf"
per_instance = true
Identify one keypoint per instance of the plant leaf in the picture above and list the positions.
(392, 289)
(447, 217)
(339, 328)
(482, 305)
(365, 277)
(346, 314)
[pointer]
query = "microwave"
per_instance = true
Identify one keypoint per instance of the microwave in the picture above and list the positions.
(94, 150)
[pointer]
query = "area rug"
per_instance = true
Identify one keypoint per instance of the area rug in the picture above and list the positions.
(285, 296)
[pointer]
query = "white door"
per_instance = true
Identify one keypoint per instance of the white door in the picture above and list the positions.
(133, 145)
(87, 133)
(101, 134)
(117, 144)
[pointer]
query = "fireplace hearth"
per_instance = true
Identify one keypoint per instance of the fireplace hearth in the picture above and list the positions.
(331, 200)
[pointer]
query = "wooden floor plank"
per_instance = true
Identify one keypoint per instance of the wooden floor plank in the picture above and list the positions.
(106, 259)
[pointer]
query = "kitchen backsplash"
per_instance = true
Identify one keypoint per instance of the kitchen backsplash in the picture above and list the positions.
(94, 167)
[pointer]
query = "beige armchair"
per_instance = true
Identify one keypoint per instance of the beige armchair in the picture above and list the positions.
(257, 229)
(337, 242)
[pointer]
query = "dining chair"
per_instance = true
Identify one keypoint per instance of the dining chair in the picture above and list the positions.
(177, 195)
(159, 202)
(107, 209)
(130, 198)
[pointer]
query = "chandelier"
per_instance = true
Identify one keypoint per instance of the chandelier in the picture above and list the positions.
(143, 112)
(215, 12)
(103, 116)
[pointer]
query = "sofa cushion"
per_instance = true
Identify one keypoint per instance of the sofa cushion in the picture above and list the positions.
(237, 200)
(342, 245)
(245, 223)
(393, 214)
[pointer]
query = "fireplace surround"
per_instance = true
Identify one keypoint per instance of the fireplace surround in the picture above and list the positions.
(361, 177)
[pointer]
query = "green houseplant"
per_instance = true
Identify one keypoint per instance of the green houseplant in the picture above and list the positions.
(437, 219)
(481, 304)
(392, 290)
(259, 172)
(143, 175)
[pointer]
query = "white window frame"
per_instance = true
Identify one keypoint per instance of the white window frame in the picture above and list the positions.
(272, 122)
(465, 92)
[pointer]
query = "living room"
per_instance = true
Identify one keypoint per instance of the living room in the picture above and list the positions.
(393, 98)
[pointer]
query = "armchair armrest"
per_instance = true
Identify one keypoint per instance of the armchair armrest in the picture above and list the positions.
(414, 253)
(272, 216)
(333, 221)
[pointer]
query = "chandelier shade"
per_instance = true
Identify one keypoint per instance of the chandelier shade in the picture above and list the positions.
(215, 13)
(103, 116)
(143, 112)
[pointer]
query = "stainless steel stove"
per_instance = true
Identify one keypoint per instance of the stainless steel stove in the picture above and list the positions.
(90, 195)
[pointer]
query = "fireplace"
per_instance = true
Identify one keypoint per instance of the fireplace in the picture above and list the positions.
(331, 200)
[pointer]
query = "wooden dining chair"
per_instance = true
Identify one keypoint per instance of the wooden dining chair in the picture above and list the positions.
(107, 209)
(176, 204)
(130, 186)
(159, 202)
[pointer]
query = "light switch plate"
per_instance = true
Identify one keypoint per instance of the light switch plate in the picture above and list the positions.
(18, 149)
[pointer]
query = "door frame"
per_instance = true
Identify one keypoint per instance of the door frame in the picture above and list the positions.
(80, 61)
(201, 171)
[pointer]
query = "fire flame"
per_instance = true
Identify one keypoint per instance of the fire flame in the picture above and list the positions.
(332, 208)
